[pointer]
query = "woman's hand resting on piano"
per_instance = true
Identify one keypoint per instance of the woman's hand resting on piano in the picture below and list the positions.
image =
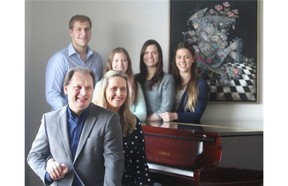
(169, 116)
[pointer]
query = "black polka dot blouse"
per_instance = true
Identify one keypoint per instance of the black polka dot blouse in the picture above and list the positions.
(136, 171)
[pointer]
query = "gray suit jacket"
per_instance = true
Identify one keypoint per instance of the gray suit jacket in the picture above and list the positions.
(99, 158)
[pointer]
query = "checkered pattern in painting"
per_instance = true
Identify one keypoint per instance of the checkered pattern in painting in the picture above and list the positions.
(236, 90)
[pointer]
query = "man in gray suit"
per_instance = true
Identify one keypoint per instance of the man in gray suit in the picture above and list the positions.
(81, 143)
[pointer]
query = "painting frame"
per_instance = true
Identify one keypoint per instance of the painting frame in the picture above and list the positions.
(233, 78)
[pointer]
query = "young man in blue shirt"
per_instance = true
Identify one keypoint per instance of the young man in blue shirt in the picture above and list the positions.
(77, 53)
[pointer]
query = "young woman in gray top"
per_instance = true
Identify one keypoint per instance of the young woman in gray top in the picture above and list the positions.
(158, 86)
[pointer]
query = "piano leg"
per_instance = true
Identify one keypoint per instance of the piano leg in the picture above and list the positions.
(197, 177)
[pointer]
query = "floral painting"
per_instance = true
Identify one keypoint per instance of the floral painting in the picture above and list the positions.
(224, 37)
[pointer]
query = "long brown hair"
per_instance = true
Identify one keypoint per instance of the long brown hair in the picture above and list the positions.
(141, 77)
(192, 86)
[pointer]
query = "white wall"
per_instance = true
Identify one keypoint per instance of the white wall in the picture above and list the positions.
(115, 23)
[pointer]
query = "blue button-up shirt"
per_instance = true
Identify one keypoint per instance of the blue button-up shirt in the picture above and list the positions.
(57, 67)
(75, 125)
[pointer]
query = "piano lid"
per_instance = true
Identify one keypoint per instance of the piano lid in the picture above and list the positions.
(221, 130)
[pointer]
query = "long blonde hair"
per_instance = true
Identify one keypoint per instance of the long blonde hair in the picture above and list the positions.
(192, 86)
(132, 84)
(128, 120)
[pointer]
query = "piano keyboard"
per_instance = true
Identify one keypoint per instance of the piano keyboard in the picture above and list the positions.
(170, 170)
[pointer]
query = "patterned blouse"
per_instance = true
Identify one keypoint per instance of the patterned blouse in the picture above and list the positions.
(136, 171)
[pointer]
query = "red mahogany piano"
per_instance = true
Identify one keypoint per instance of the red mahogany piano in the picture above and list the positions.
(177, 153)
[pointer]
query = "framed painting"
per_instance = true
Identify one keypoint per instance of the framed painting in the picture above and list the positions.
(224, 37)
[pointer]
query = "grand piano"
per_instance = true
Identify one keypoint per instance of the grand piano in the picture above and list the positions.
(191, 154)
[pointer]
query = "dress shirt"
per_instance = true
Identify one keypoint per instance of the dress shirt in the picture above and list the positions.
(57, 67)
(75, 125)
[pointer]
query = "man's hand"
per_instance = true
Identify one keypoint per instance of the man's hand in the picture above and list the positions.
(56, 170)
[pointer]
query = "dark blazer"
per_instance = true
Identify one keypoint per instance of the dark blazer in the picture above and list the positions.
(99, 157)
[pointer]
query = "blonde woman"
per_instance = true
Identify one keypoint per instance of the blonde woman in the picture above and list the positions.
(119, 59)
(113, 95)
